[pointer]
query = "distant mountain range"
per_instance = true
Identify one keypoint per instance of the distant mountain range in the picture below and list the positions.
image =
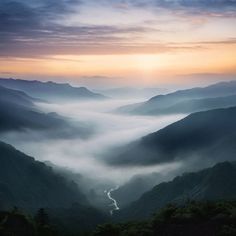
(50, 90)
(129, 92)
(12, 96)
(215, 183)
(218, 95)
(204, 137)
(19, 113)
(208, 135)
(195, 105)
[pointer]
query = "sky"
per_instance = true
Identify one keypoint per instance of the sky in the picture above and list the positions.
(118, 42)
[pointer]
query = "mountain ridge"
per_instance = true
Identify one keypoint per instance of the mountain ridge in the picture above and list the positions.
(30, 184)
(213, 183)
(195, 134)
(20, 113)
(158, 104)
(50, 90)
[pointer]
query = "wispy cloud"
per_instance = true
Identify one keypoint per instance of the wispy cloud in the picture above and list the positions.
(41, 28)
(191, 6)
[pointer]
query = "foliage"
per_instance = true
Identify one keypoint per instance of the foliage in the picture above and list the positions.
(18, 224)
(192, 218)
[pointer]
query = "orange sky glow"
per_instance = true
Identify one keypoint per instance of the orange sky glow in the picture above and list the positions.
(143, 45)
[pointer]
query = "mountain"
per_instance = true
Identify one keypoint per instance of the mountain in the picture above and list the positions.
(129, 92)
(16, 117)
(30, 184)
(19, 113)
(50, 90)
(185, 100)
(195, 105)
(208, 135)
(15, 96)
(215, 183)
(135, 187)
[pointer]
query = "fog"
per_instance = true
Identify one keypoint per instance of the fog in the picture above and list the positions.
(85, 156)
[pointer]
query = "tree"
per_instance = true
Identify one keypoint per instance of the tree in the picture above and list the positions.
(41, 218)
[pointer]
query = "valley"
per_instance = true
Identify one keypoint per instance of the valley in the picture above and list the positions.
(112, 166)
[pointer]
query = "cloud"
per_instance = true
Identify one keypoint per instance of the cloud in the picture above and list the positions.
(29, 29)
(56, 39)
(20, 14)
(199, 6)
(86, 156)
(41, 28)
(31, 17)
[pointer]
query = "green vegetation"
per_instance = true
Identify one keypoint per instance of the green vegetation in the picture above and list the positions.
(192, 218)
(15, 223)
(31, 185)
(211, 184)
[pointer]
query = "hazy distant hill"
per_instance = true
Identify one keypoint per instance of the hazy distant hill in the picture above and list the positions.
(129, 92)
(18, 113)
(16, 96)
(195, 105)
(16, 117)
(209, 134)
(50, 90)
(185, 101)
(216, 183)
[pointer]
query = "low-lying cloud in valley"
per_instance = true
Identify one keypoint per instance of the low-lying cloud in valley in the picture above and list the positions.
(86, 155)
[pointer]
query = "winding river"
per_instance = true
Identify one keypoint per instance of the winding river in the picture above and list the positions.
(114, 203)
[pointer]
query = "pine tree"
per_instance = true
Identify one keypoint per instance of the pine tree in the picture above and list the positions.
(41, 217)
